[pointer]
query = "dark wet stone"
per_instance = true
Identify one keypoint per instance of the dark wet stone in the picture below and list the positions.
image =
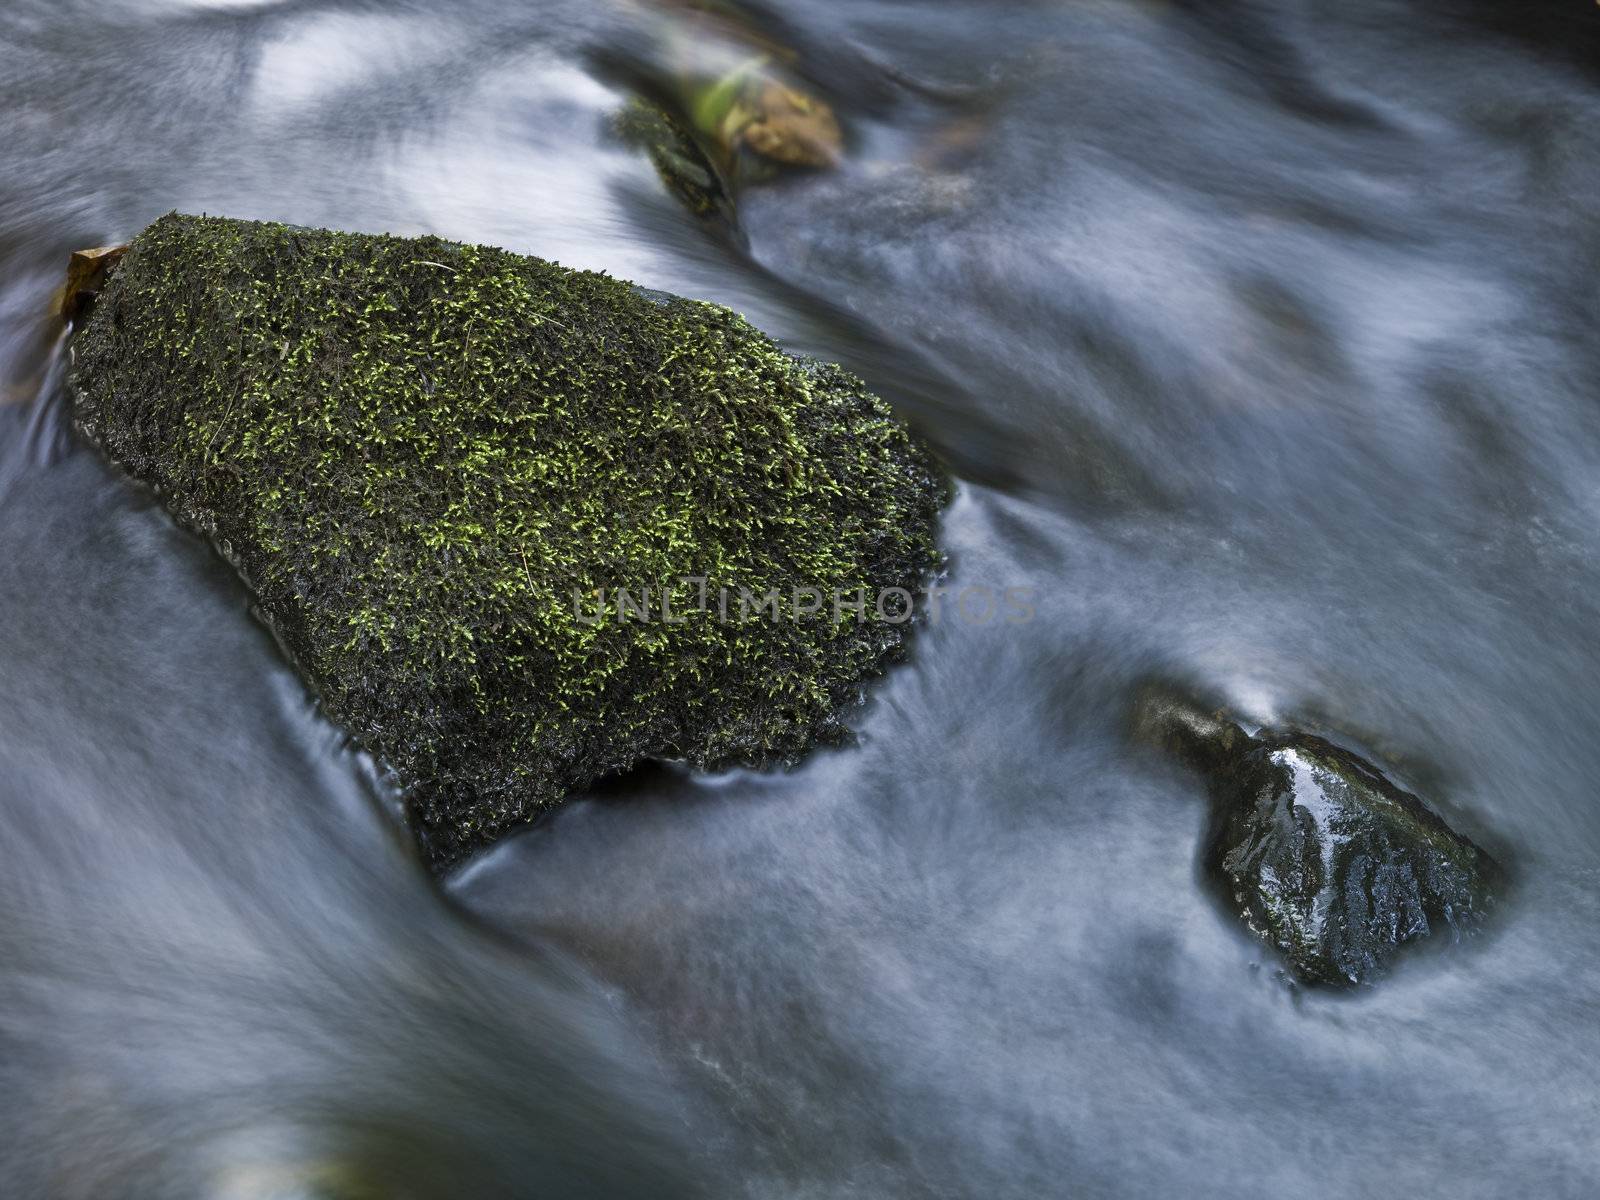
(684, 167)
(1320, 854)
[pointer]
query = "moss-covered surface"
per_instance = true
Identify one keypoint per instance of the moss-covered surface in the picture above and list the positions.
(419, 453)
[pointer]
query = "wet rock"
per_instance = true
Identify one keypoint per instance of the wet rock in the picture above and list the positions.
(684, 168)
(1320, 854)
(520, 527)
(725, 107)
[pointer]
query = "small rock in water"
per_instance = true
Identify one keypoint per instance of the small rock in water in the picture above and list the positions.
(685, 169)
(727, 107)
(1320, 854)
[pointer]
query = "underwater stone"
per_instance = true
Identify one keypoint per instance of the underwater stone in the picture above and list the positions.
(1320, 854)
(432, 462)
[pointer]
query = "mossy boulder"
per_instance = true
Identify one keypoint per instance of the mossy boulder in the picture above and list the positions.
(1320, 854)
(495, 509)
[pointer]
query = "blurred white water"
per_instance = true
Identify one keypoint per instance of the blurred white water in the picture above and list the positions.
(1262, 337)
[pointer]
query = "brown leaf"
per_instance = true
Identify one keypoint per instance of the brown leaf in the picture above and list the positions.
(791, 127)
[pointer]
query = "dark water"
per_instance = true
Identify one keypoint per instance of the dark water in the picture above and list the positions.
(1264, 338)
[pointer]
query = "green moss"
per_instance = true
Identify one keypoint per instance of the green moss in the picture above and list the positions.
(418, 453)
(685, 169)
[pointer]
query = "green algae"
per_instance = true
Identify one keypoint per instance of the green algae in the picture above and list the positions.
(423, 455)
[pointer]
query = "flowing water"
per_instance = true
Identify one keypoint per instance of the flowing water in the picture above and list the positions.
(1262, 339)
